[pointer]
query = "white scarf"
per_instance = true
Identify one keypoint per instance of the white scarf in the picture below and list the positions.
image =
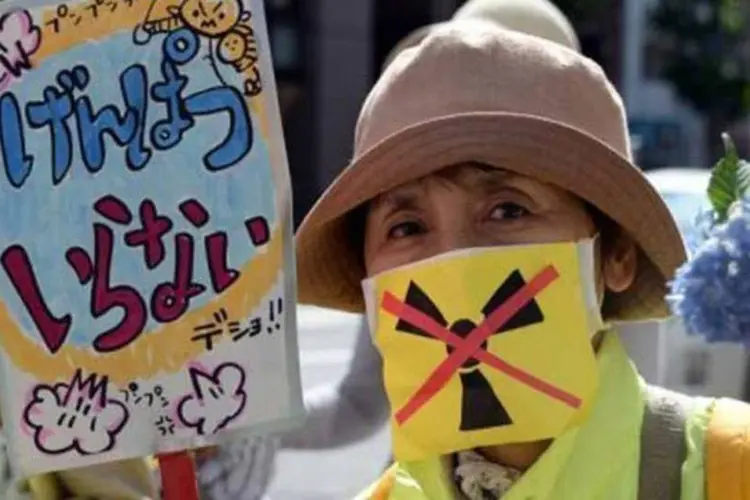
(480, 479)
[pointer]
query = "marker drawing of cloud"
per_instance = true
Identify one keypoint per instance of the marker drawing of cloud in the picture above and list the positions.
(19, 40)
(216, 400)
(76, 416)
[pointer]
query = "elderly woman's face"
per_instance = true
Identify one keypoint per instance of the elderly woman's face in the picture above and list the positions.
(470, 206)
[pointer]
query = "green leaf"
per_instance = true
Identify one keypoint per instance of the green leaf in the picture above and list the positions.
(730, 181)
(731, 16)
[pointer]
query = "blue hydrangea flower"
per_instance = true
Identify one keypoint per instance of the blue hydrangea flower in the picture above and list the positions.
(711, 292)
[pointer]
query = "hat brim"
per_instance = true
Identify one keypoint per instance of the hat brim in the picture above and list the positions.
(330, 270)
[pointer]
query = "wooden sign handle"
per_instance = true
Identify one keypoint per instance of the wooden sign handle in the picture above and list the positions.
(178, 477)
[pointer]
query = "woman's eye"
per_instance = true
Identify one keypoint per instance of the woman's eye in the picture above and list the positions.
(404, 230)
(508, 210)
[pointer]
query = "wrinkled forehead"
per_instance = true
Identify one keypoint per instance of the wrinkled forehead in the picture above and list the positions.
(473, 177)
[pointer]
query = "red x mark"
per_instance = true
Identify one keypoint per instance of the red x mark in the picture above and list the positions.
(471, 346)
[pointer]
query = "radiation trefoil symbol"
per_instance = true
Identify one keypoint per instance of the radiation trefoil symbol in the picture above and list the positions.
(511, 307)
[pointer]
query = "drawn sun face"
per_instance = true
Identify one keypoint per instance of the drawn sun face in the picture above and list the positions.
(211, 18)
(232, 48)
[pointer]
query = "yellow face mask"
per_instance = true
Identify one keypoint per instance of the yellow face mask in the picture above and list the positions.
(486, 346)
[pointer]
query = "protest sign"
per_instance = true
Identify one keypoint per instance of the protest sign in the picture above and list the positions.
(147, 282)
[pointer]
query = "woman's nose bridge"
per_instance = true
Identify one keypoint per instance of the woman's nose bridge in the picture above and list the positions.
(458, 237)
(454, 220)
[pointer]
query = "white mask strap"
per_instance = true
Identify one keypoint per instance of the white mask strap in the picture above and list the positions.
(587, 263)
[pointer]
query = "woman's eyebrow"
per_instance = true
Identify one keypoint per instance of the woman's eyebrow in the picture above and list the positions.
(392, 202)
(492, 182)
(501, 182)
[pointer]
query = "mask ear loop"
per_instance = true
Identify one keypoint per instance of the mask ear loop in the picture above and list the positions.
(587, 250)
(369, 290)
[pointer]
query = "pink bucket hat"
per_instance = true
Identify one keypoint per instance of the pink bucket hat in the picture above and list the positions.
(474, 92)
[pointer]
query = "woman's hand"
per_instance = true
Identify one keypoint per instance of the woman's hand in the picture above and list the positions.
(203, 454)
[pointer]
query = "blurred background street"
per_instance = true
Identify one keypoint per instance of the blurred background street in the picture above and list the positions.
(325, 348)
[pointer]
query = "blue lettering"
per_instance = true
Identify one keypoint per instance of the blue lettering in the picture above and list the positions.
(125, 125)
(108, 120)
(239, 141)
(92, 127)
(54, 111)
(168, 132)
(17, 163)
(134, 85)
(179, 48)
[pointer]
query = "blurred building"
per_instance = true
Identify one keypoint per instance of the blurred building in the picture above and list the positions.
(289, 28)
(327, 54)
(668, 131)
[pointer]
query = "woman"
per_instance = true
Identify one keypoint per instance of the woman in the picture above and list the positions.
(356, 408)
(476, 144)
